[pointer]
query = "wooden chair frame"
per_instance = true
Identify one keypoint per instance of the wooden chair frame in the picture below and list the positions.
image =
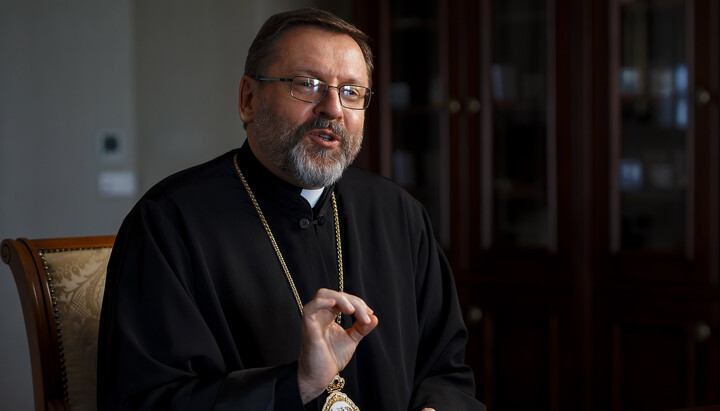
(23, 257)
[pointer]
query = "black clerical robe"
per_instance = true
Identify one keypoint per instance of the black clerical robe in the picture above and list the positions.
(198, 314)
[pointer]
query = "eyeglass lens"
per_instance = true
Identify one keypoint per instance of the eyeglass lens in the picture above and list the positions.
(313, 90)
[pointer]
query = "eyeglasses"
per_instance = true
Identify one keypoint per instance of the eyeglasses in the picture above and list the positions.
(312, 90)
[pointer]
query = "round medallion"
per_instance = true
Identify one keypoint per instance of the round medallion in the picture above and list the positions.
(337, 401)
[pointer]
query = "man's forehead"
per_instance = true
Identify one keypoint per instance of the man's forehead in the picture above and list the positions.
(320, 53)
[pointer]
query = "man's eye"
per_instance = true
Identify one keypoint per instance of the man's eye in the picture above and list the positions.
(351, 92)
(307, 84)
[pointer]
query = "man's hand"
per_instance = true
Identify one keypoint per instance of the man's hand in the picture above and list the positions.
(327, 347)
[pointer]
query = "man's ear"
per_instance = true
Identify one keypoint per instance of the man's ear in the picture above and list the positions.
(247, 99)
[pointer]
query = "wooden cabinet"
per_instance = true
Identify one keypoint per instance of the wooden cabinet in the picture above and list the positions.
(656, 287)
(568, 152)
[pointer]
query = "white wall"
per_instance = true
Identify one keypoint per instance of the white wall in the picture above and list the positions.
(190, 59)
(163, 74)
(66, 73)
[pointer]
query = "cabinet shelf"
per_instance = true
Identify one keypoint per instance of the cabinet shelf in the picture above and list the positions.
(641, 6)
(413, 23)
(414, 111)
(536, 17)
(517, 190)
(654, 193)
(519, 105)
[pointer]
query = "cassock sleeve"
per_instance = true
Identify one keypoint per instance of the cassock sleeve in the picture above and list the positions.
(442, 379)
(163, 341)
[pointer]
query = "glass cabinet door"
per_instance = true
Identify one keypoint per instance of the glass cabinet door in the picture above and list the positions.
(651, 126)
(519, 137)
(417, 95)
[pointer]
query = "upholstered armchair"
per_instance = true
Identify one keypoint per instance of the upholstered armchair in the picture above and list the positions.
(61, 282)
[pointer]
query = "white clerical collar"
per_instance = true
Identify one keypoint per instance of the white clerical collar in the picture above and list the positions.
(312, 196)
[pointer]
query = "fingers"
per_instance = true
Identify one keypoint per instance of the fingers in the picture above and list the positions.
(338, 302)
(326, 347)
(360, 330)
(327, 304)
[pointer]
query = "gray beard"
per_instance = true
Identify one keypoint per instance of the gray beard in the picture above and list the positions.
(311, 166)
(311, 174)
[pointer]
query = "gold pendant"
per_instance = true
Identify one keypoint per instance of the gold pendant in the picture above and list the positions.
(338, 401)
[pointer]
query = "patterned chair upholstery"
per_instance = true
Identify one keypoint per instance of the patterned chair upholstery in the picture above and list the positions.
(61, 282)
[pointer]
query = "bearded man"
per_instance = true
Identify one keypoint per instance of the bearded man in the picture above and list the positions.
(276, 277)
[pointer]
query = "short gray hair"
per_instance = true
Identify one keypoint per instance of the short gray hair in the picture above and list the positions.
(262, 47)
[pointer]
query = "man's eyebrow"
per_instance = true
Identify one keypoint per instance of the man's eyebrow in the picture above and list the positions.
(308, 72)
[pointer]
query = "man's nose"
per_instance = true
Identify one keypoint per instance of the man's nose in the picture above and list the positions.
(329, 106)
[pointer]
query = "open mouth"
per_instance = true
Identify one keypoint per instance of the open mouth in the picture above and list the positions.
(325, 137)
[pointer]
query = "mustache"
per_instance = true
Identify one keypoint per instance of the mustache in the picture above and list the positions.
(320, 123)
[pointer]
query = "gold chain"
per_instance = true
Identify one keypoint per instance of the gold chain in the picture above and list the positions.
(270, 235)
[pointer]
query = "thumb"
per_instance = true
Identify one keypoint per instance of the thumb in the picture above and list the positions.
(360, 330)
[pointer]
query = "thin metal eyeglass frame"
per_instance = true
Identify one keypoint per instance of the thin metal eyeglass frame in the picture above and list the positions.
(292, 80)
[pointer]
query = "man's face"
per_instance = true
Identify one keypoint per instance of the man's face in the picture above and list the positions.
(309, 144)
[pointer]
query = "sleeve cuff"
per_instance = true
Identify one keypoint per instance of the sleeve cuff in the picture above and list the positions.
(287, 393)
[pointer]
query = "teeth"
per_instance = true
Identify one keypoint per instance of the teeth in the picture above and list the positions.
(324, 137)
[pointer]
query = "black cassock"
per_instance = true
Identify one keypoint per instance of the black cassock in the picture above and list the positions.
(198, 314)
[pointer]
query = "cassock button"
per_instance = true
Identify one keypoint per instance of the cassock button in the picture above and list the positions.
(304, 223)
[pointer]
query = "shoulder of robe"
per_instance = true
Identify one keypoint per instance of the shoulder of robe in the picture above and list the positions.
(363, 184)
(193, 179)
